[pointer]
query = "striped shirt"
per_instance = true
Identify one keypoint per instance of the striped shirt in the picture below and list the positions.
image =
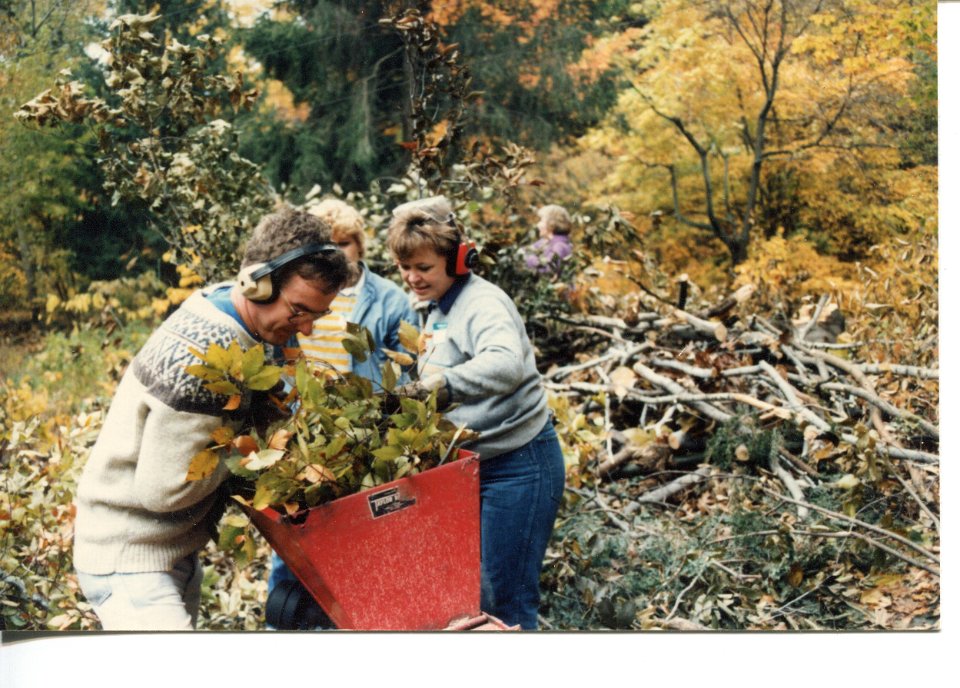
(325, 343)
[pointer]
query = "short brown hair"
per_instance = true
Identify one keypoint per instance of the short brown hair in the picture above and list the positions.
(419, 224)
(287, 230)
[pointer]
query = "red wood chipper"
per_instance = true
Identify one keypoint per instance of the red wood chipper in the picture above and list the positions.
(402, 556)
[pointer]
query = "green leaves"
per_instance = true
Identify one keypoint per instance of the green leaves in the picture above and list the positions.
(228, 371)
(265, 379)
(163, 140)
(342, 437)
(358, 342)
(236, 537)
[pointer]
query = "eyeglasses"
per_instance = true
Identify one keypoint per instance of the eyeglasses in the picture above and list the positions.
(302, 316)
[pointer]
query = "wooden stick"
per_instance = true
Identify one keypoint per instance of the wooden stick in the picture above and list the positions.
(805, 330)
(792, 400)
(611, 515)
(629, 353)
(912, 371)
(910, 491)
(860, 377)
(862, 524)
(873, 543)
(647, 455)
(931, 429)
(713, 329)
(671, 386)
(797, 461)
(687, 369)
(661, 493)
(790, 483)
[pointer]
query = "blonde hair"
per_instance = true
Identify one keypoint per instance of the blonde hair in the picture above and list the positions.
(344, 220)
(557, 218)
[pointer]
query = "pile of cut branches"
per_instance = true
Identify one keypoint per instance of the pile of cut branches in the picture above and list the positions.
(795, 471)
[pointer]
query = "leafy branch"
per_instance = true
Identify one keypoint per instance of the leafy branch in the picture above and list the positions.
(337, 435)
(162, 141)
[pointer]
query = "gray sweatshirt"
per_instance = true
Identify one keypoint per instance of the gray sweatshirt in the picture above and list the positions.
(476, 339)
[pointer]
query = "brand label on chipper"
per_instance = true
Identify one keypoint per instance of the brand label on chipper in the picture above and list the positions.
(388, 501)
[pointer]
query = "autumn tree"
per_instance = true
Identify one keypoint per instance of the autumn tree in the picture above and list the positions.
(747, 117)
(535, 63)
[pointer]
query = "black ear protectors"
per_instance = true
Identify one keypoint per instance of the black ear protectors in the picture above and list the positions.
(257, 281)
(462, 259)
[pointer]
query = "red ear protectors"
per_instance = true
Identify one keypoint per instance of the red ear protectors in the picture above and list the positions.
(462, 259)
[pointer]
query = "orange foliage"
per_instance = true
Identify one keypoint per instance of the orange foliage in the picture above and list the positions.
(787, 269)
(603, 54)
(525, 15)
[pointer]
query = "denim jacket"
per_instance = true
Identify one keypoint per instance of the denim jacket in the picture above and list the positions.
(380, 307)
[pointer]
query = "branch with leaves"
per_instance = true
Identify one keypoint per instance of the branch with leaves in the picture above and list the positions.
(336, 434)
(163, 141)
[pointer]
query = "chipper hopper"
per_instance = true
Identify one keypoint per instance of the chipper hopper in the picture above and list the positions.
(401, 556)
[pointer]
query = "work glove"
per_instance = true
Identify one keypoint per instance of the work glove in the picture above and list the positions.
(421, 389)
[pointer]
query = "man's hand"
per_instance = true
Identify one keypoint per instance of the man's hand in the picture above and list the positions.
(421, 390)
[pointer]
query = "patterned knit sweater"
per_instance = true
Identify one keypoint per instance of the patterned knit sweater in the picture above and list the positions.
(135, 510)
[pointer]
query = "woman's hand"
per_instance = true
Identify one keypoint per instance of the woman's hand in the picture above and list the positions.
(421, 389)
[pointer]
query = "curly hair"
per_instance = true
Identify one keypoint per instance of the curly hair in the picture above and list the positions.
(343, 219)
(557, 218)
(287, 230)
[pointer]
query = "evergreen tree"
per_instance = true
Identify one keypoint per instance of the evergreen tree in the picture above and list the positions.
(338, 59)
(335, 58)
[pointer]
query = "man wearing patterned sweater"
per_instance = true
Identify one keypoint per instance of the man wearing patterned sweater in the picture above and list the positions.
(140, 523)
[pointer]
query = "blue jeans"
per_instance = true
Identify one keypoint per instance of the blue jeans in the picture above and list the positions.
(279, 571)
(152, 601)
(520, 493)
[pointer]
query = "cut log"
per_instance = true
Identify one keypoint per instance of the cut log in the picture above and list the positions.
(650, 457)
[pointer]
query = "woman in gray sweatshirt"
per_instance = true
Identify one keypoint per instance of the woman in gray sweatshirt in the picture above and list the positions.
(475, 352)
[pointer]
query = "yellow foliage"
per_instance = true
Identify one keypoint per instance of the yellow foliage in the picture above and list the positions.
(280, 100)
(188, 277)
(160, 307)
(790, 268)
(896, 304)
(126, 298)
(843, 86)
(53, 302)
(13, 283)
(603, 54)
(21, 403)
(177, 296)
